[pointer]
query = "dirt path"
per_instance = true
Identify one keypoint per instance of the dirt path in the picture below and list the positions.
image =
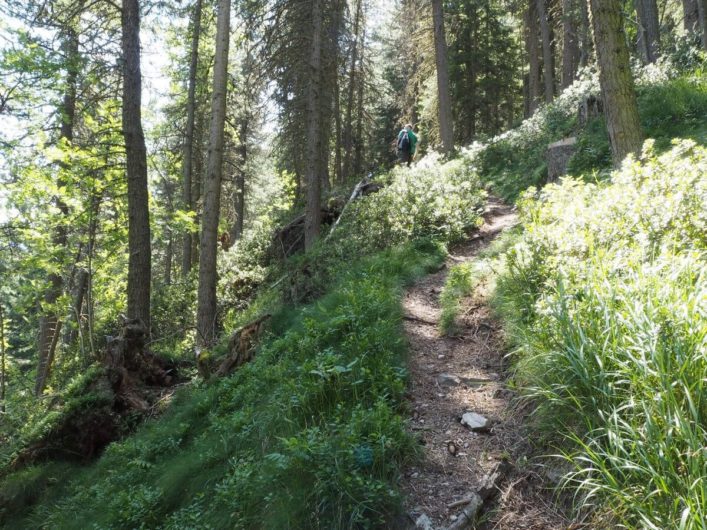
(476, 356)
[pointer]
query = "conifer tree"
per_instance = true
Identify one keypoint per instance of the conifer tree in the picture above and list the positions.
(615, 78)
(206, 309)
(139, 245)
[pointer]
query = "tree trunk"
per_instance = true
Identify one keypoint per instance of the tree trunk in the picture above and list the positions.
(168, 258)
(49, 322)
(446, 126)
(358, 138)
(570, 46)
(615, 78)
(313, 166)
(237, 228)
(338, 173)
(187, 158)
(206, 308)
(585, 35)
(648, 30)
(548, 55)
(532, 47)
(691, 16)
(3, 368)
(702, 14)
(139, 262)
(351, 89)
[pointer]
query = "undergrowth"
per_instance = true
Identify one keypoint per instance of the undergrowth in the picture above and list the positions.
(311, 433)
(308, 435)
(604, 297)
(671, 104)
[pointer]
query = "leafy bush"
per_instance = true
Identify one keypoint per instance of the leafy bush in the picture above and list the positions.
(432, 200)
(605, 298)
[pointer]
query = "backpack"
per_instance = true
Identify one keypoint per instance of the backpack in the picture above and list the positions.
(404, 142)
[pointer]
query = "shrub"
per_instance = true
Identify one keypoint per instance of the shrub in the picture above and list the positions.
(604, 296)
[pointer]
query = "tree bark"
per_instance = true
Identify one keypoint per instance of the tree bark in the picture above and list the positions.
(3, 368)
(313, 178)
(691, 16)
(140, 259)
(585, 35)
(446, 126)
(702, 15)
(548, 55)
(187, 159)
(615, 78)
(648, 30)
(347, 132)
(237, 228)
(358, 139)
(49, 322)
(570, 45)
(206, 306)
(532, 47)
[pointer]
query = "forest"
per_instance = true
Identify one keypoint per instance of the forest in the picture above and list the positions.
(353, 264)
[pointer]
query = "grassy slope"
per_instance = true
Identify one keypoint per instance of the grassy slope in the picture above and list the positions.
(308, 435)
(669, 108)
(311, 433)
(603, 298)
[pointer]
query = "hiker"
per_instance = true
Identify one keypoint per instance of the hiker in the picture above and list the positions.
(407, 141)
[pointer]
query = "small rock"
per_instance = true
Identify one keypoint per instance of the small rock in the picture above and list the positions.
(453, 517)
(423, 522)
(475, 422)
(415, 475)
(440, 356)
(448, 380)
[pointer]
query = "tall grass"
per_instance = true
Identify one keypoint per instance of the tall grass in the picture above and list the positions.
(606, 299)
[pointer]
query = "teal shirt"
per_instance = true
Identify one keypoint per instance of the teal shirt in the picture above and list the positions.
(413, 140)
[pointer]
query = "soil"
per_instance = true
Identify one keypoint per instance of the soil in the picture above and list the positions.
(455, 459)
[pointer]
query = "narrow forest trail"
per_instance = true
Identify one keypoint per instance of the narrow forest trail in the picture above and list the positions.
(466, 373)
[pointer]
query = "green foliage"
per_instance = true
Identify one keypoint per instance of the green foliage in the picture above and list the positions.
(308, 435)
(671, 104)
(433, 200)
(604, 298)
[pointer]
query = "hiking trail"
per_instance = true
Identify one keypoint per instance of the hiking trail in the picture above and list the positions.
(451, 376)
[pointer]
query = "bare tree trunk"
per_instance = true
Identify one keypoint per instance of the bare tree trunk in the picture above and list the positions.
(49, 322)
(702, 14)
(446, 126)
(351, 89)
(140, 259)
(3, 368)
(358, 139)
(548, 55)
(338, 173)
(208, 240)
(570, 46)
(197, 173)
(585, 35)
(532, 47)
(187, 158)
(313, 178)
(237, 228)
(206, 309)
(648, 30)
(615, 78)
(691, 16)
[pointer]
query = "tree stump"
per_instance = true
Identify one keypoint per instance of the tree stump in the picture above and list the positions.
(557, 156)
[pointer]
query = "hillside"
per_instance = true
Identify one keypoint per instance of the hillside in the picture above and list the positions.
(601, 293)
